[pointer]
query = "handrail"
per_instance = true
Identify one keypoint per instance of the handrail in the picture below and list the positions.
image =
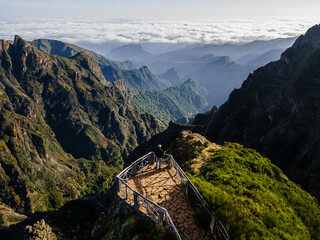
(214, 219)
(216, 226)
(140, 195)
(131, 169)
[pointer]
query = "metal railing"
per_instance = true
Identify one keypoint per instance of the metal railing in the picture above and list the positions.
(216, 227)
(153, 210)
(159, 214)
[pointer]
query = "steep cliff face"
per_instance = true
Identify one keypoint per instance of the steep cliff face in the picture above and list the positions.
(276, 111)
(64, 128)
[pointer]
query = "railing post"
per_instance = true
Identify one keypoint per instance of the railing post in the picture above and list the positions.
(160, 216)
(170, 161)
(118, 185)
(212, 224)
(134, 169)
(187, 186)
(151, 158)
(136, 200)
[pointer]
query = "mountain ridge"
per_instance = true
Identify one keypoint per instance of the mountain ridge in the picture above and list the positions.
(172, 103)
(276, 112)
(173, 75)
(67, 50)
(64, 129)
(129, 52)
(140, 79)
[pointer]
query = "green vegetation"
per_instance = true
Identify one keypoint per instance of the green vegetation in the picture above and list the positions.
(68, 50)
(9, 217)
(172, 103)
(64, 130)
(144, 89)
(141, 79)
(250, 196)
(129, 226)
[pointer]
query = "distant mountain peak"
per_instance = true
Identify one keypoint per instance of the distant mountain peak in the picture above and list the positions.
(133, 46)
(173, 69)
(191, 80)
(129, 52)
(207, 57)
(173, 75)
(144, 67)
(225, 59)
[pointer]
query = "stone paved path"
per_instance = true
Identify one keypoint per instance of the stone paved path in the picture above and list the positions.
(164, 188)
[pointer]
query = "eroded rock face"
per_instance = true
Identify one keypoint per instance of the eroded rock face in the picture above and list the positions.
(276, 111)
(4, 45)
(40, 231)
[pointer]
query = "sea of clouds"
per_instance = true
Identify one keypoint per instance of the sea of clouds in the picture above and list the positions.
(98, 31)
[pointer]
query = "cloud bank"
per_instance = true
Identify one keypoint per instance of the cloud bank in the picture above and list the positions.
(97, 31)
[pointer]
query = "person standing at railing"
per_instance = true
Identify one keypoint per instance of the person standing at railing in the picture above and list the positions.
(159, 155)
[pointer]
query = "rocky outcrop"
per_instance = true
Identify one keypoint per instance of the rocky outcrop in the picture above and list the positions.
(9, 217)
(4, 45)
(40, 231)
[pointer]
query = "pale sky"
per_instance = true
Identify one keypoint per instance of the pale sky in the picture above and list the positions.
(158, 21)
(159, 8)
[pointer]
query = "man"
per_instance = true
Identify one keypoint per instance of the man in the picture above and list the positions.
(159, 155)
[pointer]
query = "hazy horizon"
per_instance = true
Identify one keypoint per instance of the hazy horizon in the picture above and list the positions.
(115, 32)
(105, 24)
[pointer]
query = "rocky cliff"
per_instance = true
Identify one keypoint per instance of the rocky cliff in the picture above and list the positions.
(276, 111)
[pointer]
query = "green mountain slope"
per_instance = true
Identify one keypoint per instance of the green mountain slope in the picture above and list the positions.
(67, 50)
(250, 196)
(64, 128)
(140, 79)
(172, 103)
(166, 105)
(276, 111)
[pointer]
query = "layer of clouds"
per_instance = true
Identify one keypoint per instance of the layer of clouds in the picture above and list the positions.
(99, 31)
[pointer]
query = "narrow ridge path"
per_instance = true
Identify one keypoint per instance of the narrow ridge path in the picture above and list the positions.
(164, 188)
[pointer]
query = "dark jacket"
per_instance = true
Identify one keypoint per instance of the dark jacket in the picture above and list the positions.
(159, 153)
